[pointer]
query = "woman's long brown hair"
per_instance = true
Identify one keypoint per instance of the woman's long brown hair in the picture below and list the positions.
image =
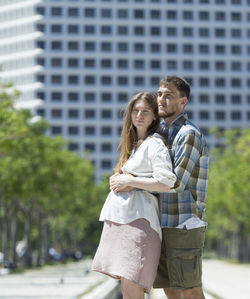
(129, 136)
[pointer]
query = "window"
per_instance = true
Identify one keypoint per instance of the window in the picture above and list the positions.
(155, 14)
(204, 65)
(204, 16)
(56, 79)
(73, 62)
(89, 147)
(106, 13)
(220, 16)
(220, 99)
(73, 79)
(204, 115)
(122, 30)
(236, 99)
(155, 48)
(89, 12)
(56, 28)
(73, 46)
(56, 96)
(106, 131)
(122, 63)
(236, 66)
(236, 16)
(73, 97)
(204, 98)
(106, 164)
(220, 82)
(73, 12)
(106, 114)
(106, 97)
(220, 65)
(106, 63)
(73, 146)
(155, 64)
(122, 80)
(106, 30)
(89, 130)
(236, 33)
(40, 27)
(220, 49)
(40, 10)
(204, 82)
(236, 49)
(188, 48)
(89, 97)
(106, 147)
(139, 64)
(56, 11)
(73, 29)
(139, 14)
(89, 113)
(73, 113)
(187, 31)
(187, 65)
(155, 31)
(122, 97)
(204, 32)
(171, 64)
(171, 14)
(220, 32)
(89, 80)
(220, 115)
(56, 130)
(122, 13)
(138, 30)
(139, 81)
(56, 45)
(56, 113)
(122, 47)
(73, 130)
(89, 63)
(56, 62)
(40, 61)
(89, 29)
(171, 48)
(171, 31)
(236, 115)
(139, 47)
(235, 82)
(106, 80)
(188, 15)
(89, 46)
(106, 46)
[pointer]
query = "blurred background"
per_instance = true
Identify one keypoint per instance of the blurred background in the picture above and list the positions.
(68, 68)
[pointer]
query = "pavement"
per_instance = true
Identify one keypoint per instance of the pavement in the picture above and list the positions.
(221, 280)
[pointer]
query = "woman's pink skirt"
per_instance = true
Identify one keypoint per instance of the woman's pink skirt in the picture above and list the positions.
(129, 250)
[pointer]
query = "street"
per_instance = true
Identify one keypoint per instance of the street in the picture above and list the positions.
(221, 280)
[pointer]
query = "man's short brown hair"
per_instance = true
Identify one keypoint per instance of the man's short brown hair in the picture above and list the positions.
(181, 84)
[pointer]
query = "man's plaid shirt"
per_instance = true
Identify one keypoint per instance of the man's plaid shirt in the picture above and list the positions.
(189, 156)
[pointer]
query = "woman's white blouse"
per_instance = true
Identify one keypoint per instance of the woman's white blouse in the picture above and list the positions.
(151, 159)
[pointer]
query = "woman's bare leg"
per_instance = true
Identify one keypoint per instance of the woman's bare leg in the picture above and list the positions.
(130, 290)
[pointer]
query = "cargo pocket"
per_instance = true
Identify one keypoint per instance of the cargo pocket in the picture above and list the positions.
(185, 268)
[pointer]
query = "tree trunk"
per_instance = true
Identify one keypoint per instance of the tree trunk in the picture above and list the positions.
(6, 234)
(47, 240)
(14, 234)
(242, 254)
(27, 237)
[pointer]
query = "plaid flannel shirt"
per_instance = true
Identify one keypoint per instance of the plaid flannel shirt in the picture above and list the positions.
(189, 155)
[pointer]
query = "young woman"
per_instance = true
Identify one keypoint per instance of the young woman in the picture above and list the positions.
(130, 244)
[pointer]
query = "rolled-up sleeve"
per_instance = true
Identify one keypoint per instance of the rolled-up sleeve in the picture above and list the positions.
(186, 157)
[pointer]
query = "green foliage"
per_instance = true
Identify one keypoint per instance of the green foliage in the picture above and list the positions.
(228, 203)
(39, 176)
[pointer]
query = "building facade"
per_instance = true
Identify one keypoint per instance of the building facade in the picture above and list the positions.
(85, 59)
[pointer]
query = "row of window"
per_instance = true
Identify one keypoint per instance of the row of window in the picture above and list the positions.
(108, 114)
(140, 64)
(58, 79)
(190, 48)
(108, 97)
(142, 30)
(87, 113)
(155, 14)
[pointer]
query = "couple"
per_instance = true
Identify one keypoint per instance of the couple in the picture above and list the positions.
(143, 243)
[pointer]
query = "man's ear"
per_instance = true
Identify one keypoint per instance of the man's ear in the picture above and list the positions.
(184, 101)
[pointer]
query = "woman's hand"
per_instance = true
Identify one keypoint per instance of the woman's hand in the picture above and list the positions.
(120, 182)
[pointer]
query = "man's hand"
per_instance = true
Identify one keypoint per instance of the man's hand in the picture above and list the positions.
(120, 182)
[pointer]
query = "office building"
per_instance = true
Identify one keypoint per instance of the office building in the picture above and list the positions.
(84, 59)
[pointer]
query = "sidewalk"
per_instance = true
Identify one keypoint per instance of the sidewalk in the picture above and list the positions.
(221, 280)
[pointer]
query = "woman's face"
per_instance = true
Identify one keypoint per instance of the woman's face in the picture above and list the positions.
(142, 115)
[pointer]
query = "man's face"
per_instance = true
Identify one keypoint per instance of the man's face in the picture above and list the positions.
(170, 104)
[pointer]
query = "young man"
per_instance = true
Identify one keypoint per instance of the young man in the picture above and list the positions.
(183, 217)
